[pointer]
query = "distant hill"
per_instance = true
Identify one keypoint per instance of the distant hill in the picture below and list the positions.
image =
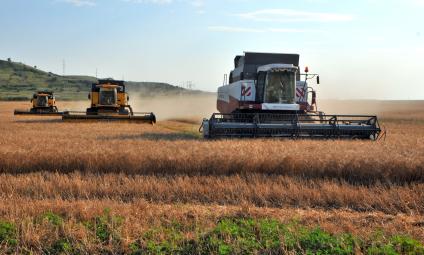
(19, 81)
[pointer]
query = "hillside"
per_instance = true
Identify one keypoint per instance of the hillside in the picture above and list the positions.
(18, 81)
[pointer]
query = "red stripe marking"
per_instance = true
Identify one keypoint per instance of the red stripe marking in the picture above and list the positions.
(246, 91)
(300, 92)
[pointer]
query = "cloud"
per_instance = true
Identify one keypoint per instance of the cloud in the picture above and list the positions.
(289, 15)
(80, 3)
(375, 38)
(293, 30)
(234, 29)
(149, 1)
(418, 2)
(197, 3)
(261, 30)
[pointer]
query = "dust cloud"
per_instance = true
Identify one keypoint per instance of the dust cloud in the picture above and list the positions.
(197, 107)
(164, 107)
(177, 107)
(73, 105)
(368, 107)
(383, 108)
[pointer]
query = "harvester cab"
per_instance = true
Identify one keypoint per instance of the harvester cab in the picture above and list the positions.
(42, 103)
(40, 100)
(270, 87)
(109, 101)
(266, 97)
(109, 96)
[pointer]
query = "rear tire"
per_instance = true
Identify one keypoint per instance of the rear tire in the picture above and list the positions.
(123, 111)
(92, 111)
(152, 118)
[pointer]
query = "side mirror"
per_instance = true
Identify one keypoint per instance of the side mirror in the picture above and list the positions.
(318, 79)
(89, 96)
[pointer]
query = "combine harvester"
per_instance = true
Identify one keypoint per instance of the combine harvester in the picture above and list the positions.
(109, 101)
(266, 97)
(43, 103)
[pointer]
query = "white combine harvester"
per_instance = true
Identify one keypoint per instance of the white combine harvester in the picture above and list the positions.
(267, 96)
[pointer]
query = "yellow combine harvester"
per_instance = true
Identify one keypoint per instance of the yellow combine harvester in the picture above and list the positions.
(43, 103)
(109, 101)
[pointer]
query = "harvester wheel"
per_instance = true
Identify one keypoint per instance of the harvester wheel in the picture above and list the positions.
(91, 111)
(153, 118)
(123, 111)
(131, 110)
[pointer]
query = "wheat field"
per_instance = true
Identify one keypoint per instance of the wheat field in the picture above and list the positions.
(153, 175)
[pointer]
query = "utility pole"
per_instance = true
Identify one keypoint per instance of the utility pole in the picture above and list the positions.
(63, 67)
(63, 73)
(189, 85)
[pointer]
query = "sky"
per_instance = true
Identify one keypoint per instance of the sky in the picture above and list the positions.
(362, 49)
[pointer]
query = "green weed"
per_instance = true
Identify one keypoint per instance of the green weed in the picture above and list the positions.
(8, 233)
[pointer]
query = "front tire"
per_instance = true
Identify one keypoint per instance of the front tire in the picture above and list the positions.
(92, 111)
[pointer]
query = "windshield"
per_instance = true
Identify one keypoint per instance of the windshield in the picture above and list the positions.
(107, 96)
(42, 101)
(280, 88)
